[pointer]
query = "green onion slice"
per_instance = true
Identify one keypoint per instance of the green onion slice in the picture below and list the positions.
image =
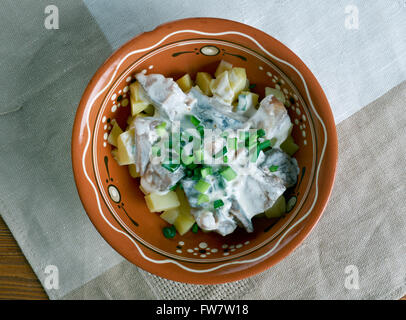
(202, 198)
(218, 203)
(273, 168)
(194, 121)
(228, 174)
(202, 186)
(206, 172)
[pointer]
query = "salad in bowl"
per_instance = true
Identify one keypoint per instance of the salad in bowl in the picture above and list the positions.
(209, 153)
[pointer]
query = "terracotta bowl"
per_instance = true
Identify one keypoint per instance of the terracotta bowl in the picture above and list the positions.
(112, 198)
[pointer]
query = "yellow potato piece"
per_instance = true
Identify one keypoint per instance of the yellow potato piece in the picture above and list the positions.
(158, 202)
(114, 133)
(253, 96)
(276, 93)
(238, 80)
(132, 168)
(183, 223)
(185, 83)
(278, 209)
(203, 80)
(221, 88)
(138, 98)
(125, 148)
(223, 66)
(171, 215)
(150, 110)
(185, 220)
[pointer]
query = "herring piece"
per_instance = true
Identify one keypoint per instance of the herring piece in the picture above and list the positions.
(286, 168)
(214, 114)
(157, 179)
(264, 190)
(165, 94)
(273, 117)
(237, 211)
(145, 137)
(219, 221)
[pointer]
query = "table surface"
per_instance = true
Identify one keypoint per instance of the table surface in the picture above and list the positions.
(17, 280)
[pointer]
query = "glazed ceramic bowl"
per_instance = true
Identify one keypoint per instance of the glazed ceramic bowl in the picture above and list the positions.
(112, 198)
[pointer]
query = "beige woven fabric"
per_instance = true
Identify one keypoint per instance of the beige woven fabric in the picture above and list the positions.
(363, 229)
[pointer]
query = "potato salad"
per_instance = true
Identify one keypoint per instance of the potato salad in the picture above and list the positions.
(208, 152)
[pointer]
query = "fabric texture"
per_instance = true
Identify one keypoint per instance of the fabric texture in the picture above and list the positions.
(362, 230)
(43, 74)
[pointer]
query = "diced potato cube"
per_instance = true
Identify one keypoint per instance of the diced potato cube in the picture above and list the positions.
(125, 148)
(171, 215)
(276, 93)
(132, 168)
(185, 220)
(184, 223)
(223, 66)
(203, 80)
(246, 101)
(185, 83)
(150, 110)
(238, 80)
(289, 146)
(114, 133)
(138, 98)
(184, 206)
(158, 202)
(221, 88)
(114, 154)
(278, 209)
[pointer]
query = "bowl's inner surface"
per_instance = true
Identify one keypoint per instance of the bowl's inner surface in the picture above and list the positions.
(121, 192)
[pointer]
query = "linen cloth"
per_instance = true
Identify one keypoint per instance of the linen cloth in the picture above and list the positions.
(363, 228)
(44, 72)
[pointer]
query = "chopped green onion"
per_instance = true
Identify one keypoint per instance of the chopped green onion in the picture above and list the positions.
(273, 168)
(195, 228)
(206, 171)
(202, 198)
(156, 151)
(202, 186)
(169, 232)
(194, 121)
(201, 130)
(264, 145)
(191, 166)
(161, 125)
(224, 150)
(228, 174)
(172, 167)
(252, 86)
(189, 173)
(218, 203)
(225, 159)
(196, 173)
(261, 133)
